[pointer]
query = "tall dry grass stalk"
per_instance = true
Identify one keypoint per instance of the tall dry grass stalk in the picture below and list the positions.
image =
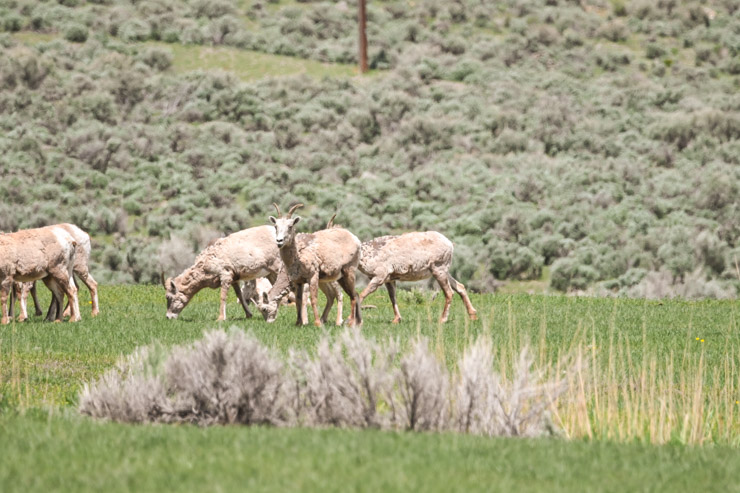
(651, 400)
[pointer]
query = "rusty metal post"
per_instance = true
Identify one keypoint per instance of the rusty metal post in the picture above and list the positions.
(362, 18)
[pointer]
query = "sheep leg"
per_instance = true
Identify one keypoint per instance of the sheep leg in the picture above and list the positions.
(5, 291)
(298, 289)
(92, 286)
(374, 284)
(242, 300)
(22, 295)
(391, 287)
(348, 285)
(340, 300)
(70, 289)
(225, 285)
(67, 309)
(36, 304)
(12, 295)
(441, 276)
(330, 297)
(54, 311)
(304, 307)
(51, 313)
(459, 288)
(58, 300)
(313, 285)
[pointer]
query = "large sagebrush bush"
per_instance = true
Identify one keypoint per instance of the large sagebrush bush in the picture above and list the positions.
(351, 381)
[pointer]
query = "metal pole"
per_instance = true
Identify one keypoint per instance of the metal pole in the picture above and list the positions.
(362, 17)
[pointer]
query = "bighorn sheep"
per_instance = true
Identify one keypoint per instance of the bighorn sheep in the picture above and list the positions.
(268, 300)
(81, 268)
(411, 257)
(243, 255)
(43, 253)
(321, 257)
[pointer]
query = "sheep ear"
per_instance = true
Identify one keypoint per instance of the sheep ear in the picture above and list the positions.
(172, 286)
(273, 220)
(265, 300)
(296, 219)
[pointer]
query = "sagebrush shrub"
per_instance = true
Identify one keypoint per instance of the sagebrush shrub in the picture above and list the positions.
(351, 381)
(76, 33)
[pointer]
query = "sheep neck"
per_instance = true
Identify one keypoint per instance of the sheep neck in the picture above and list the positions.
(189, 282)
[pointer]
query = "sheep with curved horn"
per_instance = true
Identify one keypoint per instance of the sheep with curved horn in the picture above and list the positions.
(317, 258)
(411, 257)
(268, 300)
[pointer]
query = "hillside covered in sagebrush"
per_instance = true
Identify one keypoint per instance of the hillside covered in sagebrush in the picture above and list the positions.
(596, 142)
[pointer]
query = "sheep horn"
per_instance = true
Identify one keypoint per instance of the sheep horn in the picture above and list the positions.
(290, 212)
(279, 214)
(330, 224)
(161, 274)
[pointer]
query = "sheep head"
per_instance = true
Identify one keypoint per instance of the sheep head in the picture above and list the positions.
(285, 226)
(176, 299)
(267, 308)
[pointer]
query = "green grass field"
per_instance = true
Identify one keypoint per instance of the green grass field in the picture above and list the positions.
(637, 348)
(247, 65)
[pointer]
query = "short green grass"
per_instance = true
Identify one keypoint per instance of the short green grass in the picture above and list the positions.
(249, 65)
(61, 453)
(47, 446)
(51, 359)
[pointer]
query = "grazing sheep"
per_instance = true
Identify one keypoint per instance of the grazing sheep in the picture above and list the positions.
(81, 269)
(321, 257)
(42, 253)
(411, 257)
(241, 256)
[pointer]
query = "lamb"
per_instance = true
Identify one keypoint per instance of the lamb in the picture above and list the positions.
(268, 301)
(42, 253)
(411, 257)
(243, 255)
(321, 257)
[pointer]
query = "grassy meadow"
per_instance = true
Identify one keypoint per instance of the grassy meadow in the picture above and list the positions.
(656, 407)
(572, 147)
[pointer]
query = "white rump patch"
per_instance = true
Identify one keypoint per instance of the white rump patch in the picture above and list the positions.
(62, 236)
